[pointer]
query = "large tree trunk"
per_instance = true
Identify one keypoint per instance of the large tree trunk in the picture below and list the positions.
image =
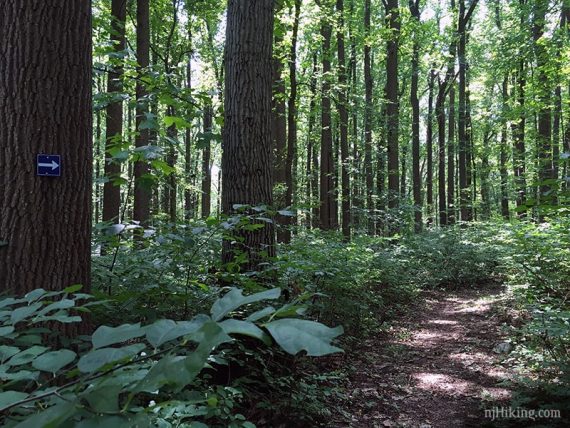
(114, 125)
(246, 159)
(328, 219)
(45, 108)
(416, 174)
(393, 105)
(141, 209)
(343, 119)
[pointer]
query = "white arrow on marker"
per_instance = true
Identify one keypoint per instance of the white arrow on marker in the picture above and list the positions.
(53, 165)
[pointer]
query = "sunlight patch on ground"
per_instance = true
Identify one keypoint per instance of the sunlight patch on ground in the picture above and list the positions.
(442, 322)
(442, 383)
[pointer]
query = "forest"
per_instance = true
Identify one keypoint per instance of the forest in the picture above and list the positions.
(285, 213)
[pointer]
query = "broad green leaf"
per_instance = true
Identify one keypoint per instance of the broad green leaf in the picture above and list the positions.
(105, 336)
(245, 328)
(9, 301)
(34, 294)
(104, 399)
(24, 312)
(10, 397)
(61, 304)
(262, 313)
(98, 358)
(53, 417)
(7, 352)
(114, 422)
(54, 361)
(234, 299)
(5, 331)
(73, 288)
(26, 356)
(163, 331)
(295, 335)
(178, 371)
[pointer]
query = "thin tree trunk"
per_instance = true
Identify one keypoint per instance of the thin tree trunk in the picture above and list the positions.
(503, 153)
(327, 189)
(429, 148)
(393, 105)
(451, 158)
(368, 88)
(114, 122)
(142, 194)
(343, 123)
(207, 164)
(292, 120)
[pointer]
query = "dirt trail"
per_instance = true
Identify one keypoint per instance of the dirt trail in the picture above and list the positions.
(435, 368)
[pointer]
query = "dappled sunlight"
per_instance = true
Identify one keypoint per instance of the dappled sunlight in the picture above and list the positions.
(442, 383)
(442, 322)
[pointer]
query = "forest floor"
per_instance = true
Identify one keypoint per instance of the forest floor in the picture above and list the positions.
(437, 366)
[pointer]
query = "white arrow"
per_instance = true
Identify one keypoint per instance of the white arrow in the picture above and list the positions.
(53, 165)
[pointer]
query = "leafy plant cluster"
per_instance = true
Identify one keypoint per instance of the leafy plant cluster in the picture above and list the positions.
(540, 259)
(133, 374)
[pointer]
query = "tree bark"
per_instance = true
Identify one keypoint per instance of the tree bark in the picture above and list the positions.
(207, 163)
(343, 123)
(429, 148)
(246, 158)
(544, 135)
(368, 88)
(45, 108)
(142, 194)
(414, 6)
(114, 122)
(393, 105)
(328, 209)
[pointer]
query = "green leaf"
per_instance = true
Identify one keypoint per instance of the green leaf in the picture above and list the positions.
(34, 294)
(179, 371)
(53, 417)
(105, 336)
(5, 331)
(163, 331)
(262, 313)
(73, 288)
(24, 312)
(104, 399)
(61, 304)
(294, 336)
(54, 361)
(26, 356)
(7, 352)
(10, 397)
(98, 358)
(245, 328)
(234, 299)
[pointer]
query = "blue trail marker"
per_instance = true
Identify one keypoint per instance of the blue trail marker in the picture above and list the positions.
(49, 165)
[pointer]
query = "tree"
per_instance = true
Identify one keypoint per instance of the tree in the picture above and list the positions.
(328, 206)
(392, 101)
(45, 106)
(415, 102)
(343, 119)
(114, 126)
(141, 209)
(206, 162)
(246, 158)
(368, 88)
